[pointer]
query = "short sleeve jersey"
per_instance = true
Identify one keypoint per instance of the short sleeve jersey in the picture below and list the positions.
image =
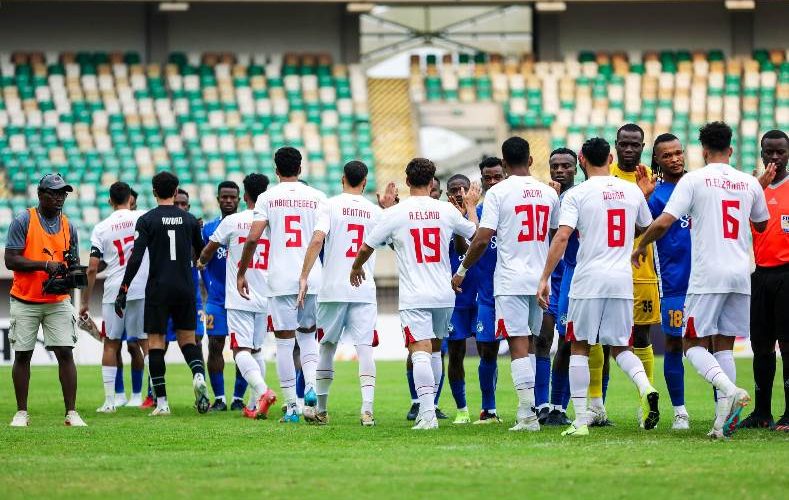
(673, 249)
(112, 241)
(420, 230)
(720, 200)
(485, 268)
(214, 276)
(771, 247)
(605, 211)
(522, 211)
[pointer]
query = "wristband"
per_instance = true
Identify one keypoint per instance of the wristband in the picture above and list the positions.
(461, 270)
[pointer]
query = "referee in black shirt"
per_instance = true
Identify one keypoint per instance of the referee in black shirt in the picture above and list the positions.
(172, 238)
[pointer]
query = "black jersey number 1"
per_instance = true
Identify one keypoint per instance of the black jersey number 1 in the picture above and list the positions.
(171, 236)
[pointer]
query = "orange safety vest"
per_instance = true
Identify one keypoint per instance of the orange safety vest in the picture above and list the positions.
(28, 284)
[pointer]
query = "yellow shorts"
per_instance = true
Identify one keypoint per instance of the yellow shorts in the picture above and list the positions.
(646, 304)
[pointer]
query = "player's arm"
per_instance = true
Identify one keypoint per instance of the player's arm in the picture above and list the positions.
(654, 232)
(197, 238)
(357, 269)
(255, 232)
(313, 251)
(93, 269)
(206, 255)
(476, 248)
(141, 239)
(759, 213)
(555, 254)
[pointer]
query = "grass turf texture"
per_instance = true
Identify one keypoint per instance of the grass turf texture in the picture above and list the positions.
(129, 454)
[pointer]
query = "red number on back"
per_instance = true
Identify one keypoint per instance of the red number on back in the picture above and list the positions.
(616, 227)
(535, 222)
(292, 227)
(429, 238)
(263, 262)
(731, 224)
(356, 241)
(119, 247)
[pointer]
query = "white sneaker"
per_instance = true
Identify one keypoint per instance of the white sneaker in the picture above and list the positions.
(300, 406)
(160, 411)
(681, 422)
(430, 422)
(74, 420)
(21, 419)
(367, 419)
(107, 407)
(120, 400)
(716, 434)
(135, 401)
(526, 424)
(722, 406)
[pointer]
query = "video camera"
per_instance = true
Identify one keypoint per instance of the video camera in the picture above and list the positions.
(65, 279)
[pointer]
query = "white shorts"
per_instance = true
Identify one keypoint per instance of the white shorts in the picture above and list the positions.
(131, 323)
(601, 321)
(355, 321)
(425, 324)
(517, 316)
(247, 329)
(286, 316)
(718, 314)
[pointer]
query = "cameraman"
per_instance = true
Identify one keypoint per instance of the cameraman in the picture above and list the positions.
(38, 241)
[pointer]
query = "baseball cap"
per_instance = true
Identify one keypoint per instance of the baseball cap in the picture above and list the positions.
(54, 182)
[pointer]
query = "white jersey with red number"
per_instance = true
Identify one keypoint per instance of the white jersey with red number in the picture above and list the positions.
(420, 229)
(232, 232)
(719, 200)
(605, 210)
(113, 238)
(291, 209)
(346, 220)
(521, 210)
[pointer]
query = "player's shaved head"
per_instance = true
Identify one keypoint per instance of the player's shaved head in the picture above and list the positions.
(420, 172)
(164, 185)
(288, 161)
(596, 151)
(355, 172)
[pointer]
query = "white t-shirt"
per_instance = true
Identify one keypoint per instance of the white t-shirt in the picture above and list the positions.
(521, 210)
(605, 211)
(232, 232)
(719, 200)
(420, 229)
(346, 220)
(291, 209)
(114, 238)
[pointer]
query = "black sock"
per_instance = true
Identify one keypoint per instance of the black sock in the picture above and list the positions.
(157, 368)
(194, 358)
(763, 376)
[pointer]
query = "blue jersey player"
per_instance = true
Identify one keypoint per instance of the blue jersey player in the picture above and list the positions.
(491, 172)
(563, 167)
(673, 264)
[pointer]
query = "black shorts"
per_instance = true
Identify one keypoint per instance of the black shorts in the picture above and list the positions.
(769, 307)
(184, 315)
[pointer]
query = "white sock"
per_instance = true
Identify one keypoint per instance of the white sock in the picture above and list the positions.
(261, 361)
(424, 383)
(250, 370)
(161, 402)
(308, 346)
(579, 387)
(726, 362)
(286, 370)
(630, 364)
(596, 403)
(708, 367)
(221, 398)
(325, 374)
(108, 374)
(533, 361)
(523, 380)
(437, 365)
(366, 376)
(680, 410)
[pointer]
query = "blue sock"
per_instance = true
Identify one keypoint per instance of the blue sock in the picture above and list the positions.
(217, 384)
(119, 388)
(409, 374)
(137, 380)
(300, 384)
(559, 380)
(458, 392)
(605, 385)
(674, 372)
(542, 381)
(566, 392)
(440, 386)
(240, 387)
(488, 370)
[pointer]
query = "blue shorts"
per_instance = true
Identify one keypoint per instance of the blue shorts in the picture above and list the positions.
(486, 323)
(215, 320)
(563, 302)
(463, 323)
(199, 330)
(672, 315)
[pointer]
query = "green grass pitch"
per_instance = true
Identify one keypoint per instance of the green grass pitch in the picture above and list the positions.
(187, 455)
